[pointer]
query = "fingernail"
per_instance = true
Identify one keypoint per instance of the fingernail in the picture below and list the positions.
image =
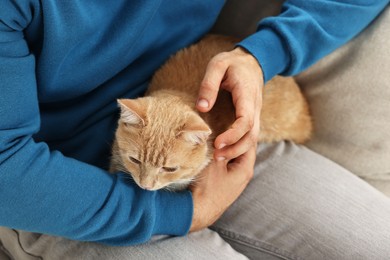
(221, 146)
(203, 103)
(221, 158)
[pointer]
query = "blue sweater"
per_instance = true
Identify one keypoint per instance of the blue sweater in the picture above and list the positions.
(63, 64)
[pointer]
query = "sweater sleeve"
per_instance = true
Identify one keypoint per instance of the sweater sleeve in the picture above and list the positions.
(42, 190)
(306, 31)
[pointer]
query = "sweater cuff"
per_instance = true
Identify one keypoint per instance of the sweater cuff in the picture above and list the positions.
(174, 212)
(268, 48)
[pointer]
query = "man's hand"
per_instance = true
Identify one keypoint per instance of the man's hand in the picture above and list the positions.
(218, 186)
(238, 72)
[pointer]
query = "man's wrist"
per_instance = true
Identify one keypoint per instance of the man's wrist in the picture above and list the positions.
(174, 213)
(269, 50)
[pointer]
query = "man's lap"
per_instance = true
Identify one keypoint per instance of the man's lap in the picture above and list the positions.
(200, 245)
(298, 206)
(301, 205)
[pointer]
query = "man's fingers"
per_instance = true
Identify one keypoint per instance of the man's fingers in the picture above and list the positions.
(233, 134)
(245, 121)
(244, 165)
(240, 137)
(246, 105)
(238, 148)
(247, 158)
(210, 85)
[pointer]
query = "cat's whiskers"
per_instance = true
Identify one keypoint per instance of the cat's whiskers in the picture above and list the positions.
(179, 184)
(197, 178)
(168, 188)
(129, 179)
(122, 168)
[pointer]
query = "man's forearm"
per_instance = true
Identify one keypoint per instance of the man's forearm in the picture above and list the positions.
(307, 30)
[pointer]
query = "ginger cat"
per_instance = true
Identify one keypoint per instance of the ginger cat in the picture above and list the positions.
(163, 142)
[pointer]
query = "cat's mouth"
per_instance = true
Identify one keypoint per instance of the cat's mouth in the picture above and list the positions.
(153, 185)
(169, 187)
(149, 187)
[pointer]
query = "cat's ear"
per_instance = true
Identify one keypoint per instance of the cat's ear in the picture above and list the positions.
(195, 131)
(132, 111)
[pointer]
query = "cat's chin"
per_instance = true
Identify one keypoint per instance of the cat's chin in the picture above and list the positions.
(179, 186)
(183, 185)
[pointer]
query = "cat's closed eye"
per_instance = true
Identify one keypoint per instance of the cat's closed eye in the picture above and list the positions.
(169, 169)
(134, 160)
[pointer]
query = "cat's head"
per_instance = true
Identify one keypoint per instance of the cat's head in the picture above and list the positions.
(161, 143)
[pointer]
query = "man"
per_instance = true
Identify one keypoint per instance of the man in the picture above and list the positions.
(62, 67)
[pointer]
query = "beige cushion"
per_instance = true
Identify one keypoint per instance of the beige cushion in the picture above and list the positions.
(348, 91)
(349, 96)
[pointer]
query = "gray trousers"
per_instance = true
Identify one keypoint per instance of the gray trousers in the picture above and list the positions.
(299, 205)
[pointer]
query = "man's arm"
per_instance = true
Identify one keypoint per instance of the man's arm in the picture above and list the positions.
(306, 31)
(44, 191)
